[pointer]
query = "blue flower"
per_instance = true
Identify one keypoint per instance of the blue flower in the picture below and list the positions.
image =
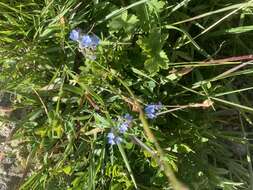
(90, 41)
(128, 117)
(124, 127)
(94, 40)
(86, 41)
(118, 140)
(151, 110)
(112, 139)
(111, 135)
(74, 35)
(151, 115)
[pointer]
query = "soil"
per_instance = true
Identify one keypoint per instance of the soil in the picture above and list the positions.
(10, 170)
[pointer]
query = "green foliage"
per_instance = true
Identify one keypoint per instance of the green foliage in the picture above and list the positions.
(151, 51)
(152, 48)
(124, 21)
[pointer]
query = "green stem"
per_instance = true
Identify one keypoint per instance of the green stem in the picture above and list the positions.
(177, 185)
(248, 151)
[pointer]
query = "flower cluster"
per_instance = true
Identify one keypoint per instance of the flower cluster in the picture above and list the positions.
(86, 42)
(113, 136)
(151, 110)
(113, 139)
(123, 127)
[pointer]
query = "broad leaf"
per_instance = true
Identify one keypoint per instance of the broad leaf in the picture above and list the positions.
(156, 6)
(125, 21)
(152, 47)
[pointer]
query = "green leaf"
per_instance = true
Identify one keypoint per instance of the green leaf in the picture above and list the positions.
(143, 74)
(101, 121)
(41, 131)
(58, 131)
(152, 47)
(158, 61)
(147, 154)
(124, 21)
(173, 77)
(151, 65)
(156, 6)
(153, 43)
(163, 60)
(122, 10)
(154, 163)
(184, 148)
(67, 170)
(172, 163)
(123, 154)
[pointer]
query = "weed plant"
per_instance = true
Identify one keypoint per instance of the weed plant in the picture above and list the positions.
(147, 94)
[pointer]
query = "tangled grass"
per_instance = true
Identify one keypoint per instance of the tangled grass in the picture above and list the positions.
(180, 69)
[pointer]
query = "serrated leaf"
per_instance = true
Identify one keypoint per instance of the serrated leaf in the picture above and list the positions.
(153, 43)
(151, 65)
(156, 6)
(124, 21)
(152, 47)
(163, 60)
(158, 61)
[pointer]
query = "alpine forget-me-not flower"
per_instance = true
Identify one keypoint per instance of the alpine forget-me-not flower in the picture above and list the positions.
(123, 127)
(124, 124)
(152, 109)
(90, 41)
(74, 35)
(128, 117)
(87, 43)
(112, 139)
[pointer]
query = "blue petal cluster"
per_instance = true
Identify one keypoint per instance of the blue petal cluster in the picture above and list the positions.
(113, 139)
(85, 41)
(114, 136)
(125, 125)
(128, 117)
(74, 35)
(152, 109)
(90, 41)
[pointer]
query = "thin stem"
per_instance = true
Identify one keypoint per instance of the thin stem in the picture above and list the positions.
(160, 159)
(248, 152)
(43, 104)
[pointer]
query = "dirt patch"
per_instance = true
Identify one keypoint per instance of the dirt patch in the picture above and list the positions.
(10, 170)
